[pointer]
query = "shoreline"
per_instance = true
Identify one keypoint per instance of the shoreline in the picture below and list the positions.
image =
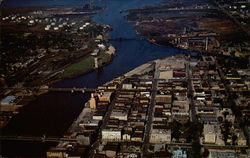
(210, 34)
(54, 58)
(200, 52)
(82, 72)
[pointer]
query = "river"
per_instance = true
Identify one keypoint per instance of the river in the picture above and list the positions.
(52, 113)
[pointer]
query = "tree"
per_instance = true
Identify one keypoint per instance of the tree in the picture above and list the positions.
(220, 119)
(226, 131)
(234, 138)
(151, 147)
(225, 113)
(205, 153)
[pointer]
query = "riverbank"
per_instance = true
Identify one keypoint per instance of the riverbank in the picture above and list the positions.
(43, 45)
(200, 26)
(53, 113)
(88, 64)
(100, 115)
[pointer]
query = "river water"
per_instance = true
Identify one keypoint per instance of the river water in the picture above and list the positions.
(52, 113)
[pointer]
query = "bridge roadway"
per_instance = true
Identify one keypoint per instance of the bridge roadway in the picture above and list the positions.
(82, 90)
(37, 138)
(151, 37)
(160, 10)
(72, 90)
(124, 39)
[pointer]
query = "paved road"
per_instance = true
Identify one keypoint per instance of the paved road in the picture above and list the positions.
(105, 120)
(231, 101)
(151, 110)
(212, 146)
(193, 117)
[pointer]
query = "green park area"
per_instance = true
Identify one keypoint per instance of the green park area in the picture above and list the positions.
(84, 65)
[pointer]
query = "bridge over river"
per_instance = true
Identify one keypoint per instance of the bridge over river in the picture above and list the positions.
(37, 138)
(52, 89)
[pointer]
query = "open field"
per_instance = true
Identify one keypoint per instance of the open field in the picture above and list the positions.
(84, 65)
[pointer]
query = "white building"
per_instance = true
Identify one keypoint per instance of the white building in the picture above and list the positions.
(242, 141)
(8, 100)
(127, 86)
(111, 50)
(168, 74)
(92, 102)
(160, 136)
(180, 107)
(209, 133)
(111, 135)
(126, 136)
(214, 153)
(119, 115)
(97, 117)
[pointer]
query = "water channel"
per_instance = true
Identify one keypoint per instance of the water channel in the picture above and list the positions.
(52, 113)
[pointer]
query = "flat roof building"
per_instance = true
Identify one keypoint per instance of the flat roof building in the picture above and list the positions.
(111, 135)
(8, 100)
(209, 133)
(160, 136)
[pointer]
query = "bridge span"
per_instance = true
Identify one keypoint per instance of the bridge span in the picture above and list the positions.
(37, 138)
(126, 39)
(72, 90)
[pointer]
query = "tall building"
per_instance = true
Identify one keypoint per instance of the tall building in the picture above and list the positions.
(92, 102)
